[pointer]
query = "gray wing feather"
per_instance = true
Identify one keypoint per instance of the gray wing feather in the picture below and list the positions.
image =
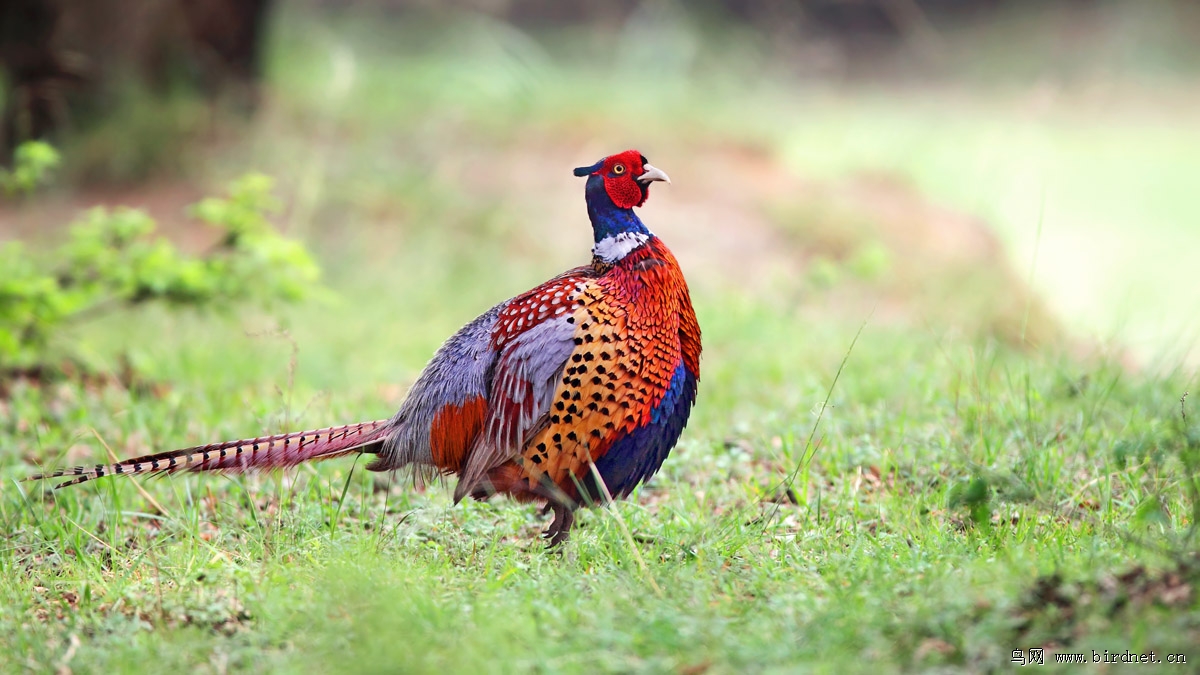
(461, 369)
(526, 376)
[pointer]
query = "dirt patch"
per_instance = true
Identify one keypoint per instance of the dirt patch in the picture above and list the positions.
(44, 219)
(929, 263)
(736, 217)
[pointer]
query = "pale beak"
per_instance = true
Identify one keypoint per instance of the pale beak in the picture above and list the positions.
(653, 173)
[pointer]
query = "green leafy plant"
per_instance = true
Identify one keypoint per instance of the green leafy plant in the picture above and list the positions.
(112, 261)
(33, 163)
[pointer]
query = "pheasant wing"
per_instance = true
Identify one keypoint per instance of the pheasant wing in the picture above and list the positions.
(534, 336)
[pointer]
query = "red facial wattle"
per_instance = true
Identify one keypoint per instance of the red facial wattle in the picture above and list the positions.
(625, 191)
(620, 174)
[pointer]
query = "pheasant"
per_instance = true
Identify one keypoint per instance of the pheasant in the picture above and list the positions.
(568, 395)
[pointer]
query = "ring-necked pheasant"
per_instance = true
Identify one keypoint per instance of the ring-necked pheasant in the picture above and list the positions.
(598, 366)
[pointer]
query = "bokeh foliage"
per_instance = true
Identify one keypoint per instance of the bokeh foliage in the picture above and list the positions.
(112, 261)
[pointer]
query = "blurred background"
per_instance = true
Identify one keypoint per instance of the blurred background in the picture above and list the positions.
(1024, 172)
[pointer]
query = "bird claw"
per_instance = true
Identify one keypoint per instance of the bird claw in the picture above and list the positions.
(560, 527)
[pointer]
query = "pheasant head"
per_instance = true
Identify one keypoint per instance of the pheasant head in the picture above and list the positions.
(615, 185)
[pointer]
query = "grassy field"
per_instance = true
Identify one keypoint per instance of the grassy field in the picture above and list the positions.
(957, 491)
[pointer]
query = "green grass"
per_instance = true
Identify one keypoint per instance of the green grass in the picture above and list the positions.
(963, 496)
(875, 562)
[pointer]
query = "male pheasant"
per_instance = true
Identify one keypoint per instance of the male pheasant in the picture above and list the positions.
(592, 373)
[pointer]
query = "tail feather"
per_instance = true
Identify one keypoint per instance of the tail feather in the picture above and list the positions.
(250, 454)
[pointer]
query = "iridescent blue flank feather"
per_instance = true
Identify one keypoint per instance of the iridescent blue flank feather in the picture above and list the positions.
(639, 454)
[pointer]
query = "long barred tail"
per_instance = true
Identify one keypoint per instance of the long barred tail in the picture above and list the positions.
(263, 453)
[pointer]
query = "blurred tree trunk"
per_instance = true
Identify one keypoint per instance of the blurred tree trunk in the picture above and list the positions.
(62, 59)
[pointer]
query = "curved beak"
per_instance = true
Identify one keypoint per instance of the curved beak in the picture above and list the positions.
(653, 173)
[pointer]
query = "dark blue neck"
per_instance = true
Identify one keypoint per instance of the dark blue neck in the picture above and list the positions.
(608, 219)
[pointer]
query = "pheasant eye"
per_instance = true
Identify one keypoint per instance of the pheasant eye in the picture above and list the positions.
(619, 169)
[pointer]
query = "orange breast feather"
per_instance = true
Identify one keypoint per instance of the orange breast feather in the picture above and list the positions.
(627, 349)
